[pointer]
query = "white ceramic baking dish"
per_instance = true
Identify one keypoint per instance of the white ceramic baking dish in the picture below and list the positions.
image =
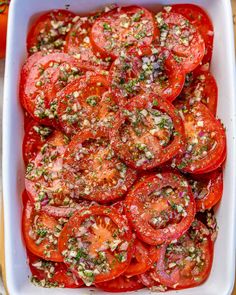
(22, 12)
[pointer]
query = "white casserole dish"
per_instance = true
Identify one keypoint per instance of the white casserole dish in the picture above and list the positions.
(22, 12)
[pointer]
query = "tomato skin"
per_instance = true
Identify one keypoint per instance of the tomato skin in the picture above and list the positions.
(61, 277)
(74, 224)
(140, 103)
(99, 35)
(3, 27)
(213, 183)
(33, 140)
(186, 278)
(201, 20)
(143, 259)
(211, 138)
(135, 206)
(135, 60)
(110, 188)
(121, 284)
(29, 215)
(189, 55)
(36, 40)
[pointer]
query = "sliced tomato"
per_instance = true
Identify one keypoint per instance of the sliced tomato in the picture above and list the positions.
(27, 120)
(41, 233)
(25, 197)
(143, 258)
(207, 189)
(96, 244)
(122, 28)
(181, 38)
(201, 86)
(206, 140)
(201, 20)
(147, 132)
(93, 169)
(150, 283)
(78, 43)
(51, 274)
(34, 138)
(43, 179)
(44, 79)
(49, 31)
(121, 284)
(79, 103)
(160, 207)
(187, 262)
(147, 69)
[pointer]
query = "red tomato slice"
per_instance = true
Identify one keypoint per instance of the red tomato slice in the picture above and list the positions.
(147, 69)
(207, 189)
(94, 171)
(43, 179)
(147, 132)
(187, 262)
(44, 80)
(96, 243)
(160, 207)
(78, 43)
(206, 140)
(51, 274)
(35, 137)
(150, 283)
(201, 86)
(122, 28)
(143, 258)
(181, 38)
(201, 20)
(121, 284)
(41, 233)
(49, 31)
(27, 120)
(79, 103)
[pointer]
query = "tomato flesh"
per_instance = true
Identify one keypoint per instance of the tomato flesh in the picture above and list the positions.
(160, 207)
(49, 31)
(35, 137)
(201, 20)
(187, 262)
(78, 43)
(121, 284)
(51, 274)
(181, 38)
(145, 70)
(96, 244)
(43, 180)
(206, 140)
(133, 26)
(41, 233)
(93, 169)
(147, 132)
(207, 189)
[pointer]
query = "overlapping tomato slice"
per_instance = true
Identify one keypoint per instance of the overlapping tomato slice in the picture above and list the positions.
(147, 132)
(96, 244)
(181, 38)
(93, 169)
(205, 137)
(160, 207)
(185, 263)
(49, 31)
(43, 180)
(145, 70)
(122, 28)
(121, 284)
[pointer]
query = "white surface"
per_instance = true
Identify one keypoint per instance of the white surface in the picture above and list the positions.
(221, 279)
